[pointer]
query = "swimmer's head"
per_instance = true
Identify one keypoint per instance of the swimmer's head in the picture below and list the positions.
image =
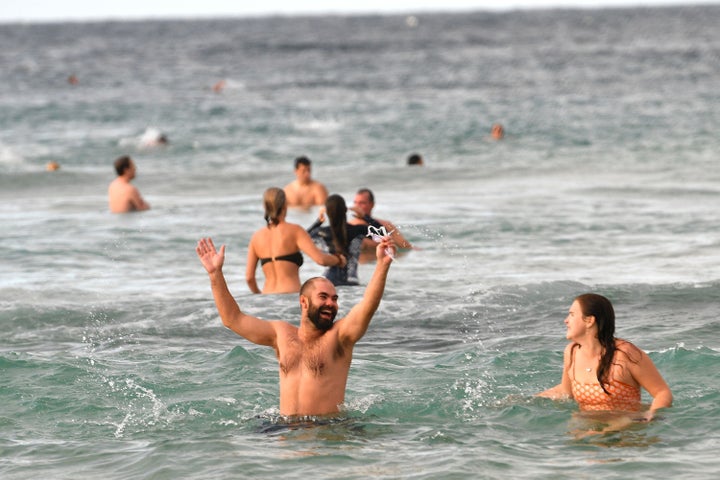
(592, 304)
(303, 170)
(318, 299)
(123, 164)
(274, 202)
(302, 161)
(415, 159)
(497, 131)
(364, 201)
(335, 208)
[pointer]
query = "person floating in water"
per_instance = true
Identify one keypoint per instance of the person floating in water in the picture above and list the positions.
(604, 373)
(314, 358)
(122, 195)
(152, 137)
(304, 192)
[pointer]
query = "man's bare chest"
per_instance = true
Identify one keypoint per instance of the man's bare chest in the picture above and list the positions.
(315, 359)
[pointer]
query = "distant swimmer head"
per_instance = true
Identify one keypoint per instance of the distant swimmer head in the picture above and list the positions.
(497, 131)
(219, 86)
(303, 169)
(52, 166)
(415, 159)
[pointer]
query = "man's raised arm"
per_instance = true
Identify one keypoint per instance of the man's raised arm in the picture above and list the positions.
(356, 323)
(252, 328)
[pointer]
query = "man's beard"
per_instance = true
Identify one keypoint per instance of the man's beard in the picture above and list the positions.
(321, 323)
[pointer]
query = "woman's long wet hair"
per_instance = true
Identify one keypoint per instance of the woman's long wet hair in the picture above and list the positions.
(274, 202)
(601, 308)
(336, 211)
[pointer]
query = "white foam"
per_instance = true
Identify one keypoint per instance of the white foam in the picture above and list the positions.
(9, 156)
(318, 124)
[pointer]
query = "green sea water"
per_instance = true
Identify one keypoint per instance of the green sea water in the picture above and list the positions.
(114, 363)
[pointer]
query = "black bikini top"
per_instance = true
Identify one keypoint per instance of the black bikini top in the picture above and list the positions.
(296, 258)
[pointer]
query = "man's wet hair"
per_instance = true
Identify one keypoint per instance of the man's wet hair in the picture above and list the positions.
(122, 164)
(415, 159)
(302, 161)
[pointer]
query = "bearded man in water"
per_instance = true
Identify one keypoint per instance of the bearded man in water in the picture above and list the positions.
(314, 359)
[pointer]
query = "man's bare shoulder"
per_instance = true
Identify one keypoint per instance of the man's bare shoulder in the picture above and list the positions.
(315, 185)
(284, 327)
(121, 186)
(293, 193)
(115, 184)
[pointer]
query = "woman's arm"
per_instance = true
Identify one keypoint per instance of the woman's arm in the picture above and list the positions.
(308, 247)
(563, 389)
(251, 267)
(648, 377)
(355, 324)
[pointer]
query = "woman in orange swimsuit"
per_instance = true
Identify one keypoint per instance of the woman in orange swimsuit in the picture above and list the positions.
(601, 372)
(277, 247)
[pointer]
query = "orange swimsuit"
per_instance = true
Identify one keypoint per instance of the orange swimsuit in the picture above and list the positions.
(590, 396)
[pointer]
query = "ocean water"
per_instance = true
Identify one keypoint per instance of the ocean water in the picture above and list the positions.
(114, 363)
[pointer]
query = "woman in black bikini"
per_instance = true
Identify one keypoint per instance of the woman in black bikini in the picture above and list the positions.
(277, 247)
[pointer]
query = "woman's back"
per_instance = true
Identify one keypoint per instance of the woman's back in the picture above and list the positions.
(276, 247)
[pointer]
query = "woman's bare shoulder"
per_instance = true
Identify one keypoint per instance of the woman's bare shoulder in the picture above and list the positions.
(629, 349)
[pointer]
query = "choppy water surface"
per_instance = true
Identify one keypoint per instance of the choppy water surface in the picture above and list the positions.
(114, 362)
